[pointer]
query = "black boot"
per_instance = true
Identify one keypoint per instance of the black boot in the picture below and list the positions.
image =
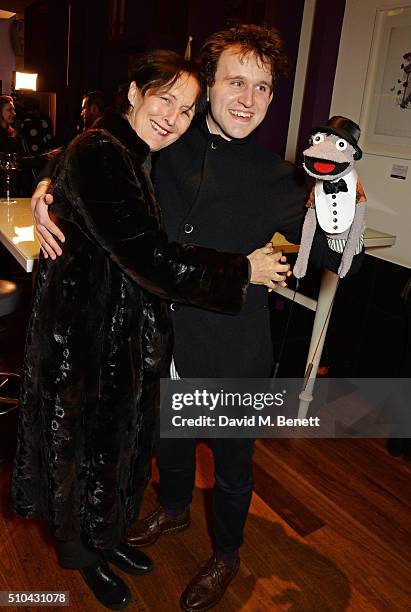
(108, 588)
(129, 559)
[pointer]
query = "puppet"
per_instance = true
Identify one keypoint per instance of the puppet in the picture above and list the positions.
(336, 204)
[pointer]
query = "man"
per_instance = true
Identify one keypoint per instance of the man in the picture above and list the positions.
(218, 188)
(92, 108)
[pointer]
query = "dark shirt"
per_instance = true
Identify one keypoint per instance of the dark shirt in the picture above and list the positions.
(9, 143)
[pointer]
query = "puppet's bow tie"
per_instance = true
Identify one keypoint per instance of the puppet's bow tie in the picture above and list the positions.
(334, 186)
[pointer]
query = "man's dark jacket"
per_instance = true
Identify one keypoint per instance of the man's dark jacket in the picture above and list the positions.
(230, 195)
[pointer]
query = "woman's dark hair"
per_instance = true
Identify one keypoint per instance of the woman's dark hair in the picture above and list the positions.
(161, 68)
(262, 41)
(3, 101)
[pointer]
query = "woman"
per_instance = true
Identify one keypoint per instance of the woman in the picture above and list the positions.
(9, 142)
(12, 142)
(99, 337)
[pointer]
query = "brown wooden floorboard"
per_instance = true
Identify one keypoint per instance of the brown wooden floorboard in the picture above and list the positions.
(330, 533)
(297, 515)
(335, 469)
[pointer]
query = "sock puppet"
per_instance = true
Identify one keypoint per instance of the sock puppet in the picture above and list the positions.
(337, 200)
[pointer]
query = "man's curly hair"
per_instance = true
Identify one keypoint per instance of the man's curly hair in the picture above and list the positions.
(262, 41)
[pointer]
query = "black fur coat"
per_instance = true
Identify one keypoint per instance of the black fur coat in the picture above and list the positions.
(99, 338)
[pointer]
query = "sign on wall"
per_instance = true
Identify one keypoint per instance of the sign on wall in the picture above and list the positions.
(386, 110)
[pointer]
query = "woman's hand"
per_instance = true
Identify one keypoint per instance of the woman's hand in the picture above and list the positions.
(45, 228)
(268, 268)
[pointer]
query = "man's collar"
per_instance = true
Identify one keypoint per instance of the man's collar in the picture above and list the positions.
(205, 128)
(213, 133)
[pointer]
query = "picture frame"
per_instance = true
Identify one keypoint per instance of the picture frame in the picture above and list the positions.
(386, 106)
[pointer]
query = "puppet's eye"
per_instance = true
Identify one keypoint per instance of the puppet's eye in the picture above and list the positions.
(317, 138)
(341, 144)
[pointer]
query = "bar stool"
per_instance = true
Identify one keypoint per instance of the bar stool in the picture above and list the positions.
(9, 381)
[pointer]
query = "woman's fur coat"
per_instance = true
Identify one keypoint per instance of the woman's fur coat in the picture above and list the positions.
(99, 339)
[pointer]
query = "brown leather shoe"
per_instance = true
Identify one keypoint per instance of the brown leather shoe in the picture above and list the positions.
(207, 588)
(147, 531)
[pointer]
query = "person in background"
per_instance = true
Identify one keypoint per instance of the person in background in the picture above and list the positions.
(100, 334)
(9, 140)
(93, 106)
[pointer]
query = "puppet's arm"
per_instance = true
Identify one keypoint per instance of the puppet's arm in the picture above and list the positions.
(310, 224)
(353, 239)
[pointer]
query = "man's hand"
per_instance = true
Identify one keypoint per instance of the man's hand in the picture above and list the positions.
(268, 268)
(46, 230)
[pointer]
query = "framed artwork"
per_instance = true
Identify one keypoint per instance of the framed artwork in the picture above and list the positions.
(386, 105)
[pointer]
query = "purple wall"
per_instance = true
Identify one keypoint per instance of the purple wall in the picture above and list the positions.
(7, 57)
(321, 68)
(203, 19)
(287, 17)
(100, 63)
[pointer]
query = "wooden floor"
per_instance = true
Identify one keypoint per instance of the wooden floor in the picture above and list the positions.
(330, 530)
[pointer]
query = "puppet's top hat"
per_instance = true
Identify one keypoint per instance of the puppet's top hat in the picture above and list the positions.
(345, 128)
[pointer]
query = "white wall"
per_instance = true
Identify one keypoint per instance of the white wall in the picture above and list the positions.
(389, 199)
(7, 57)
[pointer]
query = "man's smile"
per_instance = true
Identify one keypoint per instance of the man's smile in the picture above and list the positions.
(241, 115)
